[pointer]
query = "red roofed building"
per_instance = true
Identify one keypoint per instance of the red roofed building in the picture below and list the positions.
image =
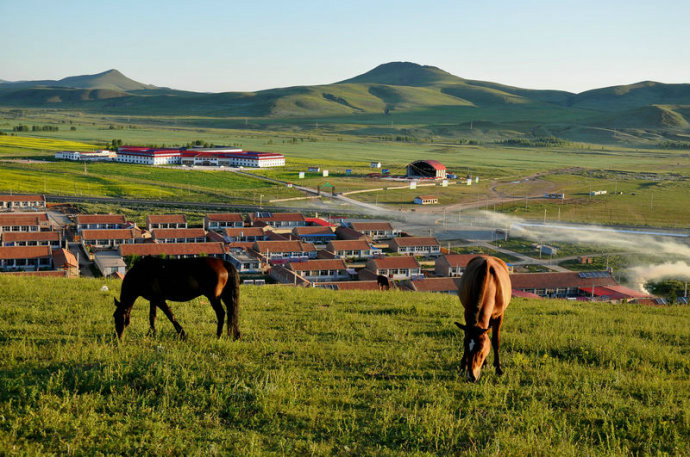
(314, 234)
(107, 238)
(175, 250)
(320, 270)
(560, 284)
(21, 202)
(413, 245)
(277, 220)
(394, 267)
(166, 221)
(229, 157)
(426, 169)
(183, 235)
(284, 251)
(438, 285)
(51, 239)
(452, 264)
(148, 156)
(352, 249)
(101, 222)
(219, 221)
(349, 285)
(376, 230)
(25, 257)
(65, 260)
(24, 222)
(231, 235)
(614, 293)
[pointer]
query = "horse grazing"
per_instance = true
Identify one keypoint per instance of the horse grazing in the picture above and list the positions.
(158, 280)
(485, 292)
(383, 282)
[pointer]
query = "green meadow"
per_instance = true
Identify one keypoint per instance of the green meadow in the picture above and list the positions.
(336, 373)
(653, 181)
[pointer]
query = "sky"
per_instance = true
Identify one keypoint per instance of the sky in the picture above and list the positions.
(220, 46)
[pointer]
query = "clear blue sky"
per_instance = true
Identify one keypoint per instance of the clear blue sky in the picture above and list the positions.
(233, 46)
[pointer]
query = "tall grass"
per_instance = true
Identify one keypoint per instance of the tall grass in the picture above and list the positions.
(336, 373)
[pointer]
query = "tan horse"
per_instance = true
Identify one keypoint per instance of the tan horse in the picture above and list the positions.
(485, 292)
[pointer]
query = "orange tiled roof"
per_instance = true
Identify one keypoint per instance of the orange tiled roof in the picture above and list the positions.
(112, 234)
(101, 219)
(172, 249)
(395, 262)
(309, 265)
(24, 252)
(349, 245)
(415, 241)
(178, 233)
(166, 219)
(366, 226)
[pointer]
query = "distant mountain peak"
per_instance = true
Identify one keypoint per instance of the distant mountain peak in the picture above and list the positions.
(111, 79)
(403, 74)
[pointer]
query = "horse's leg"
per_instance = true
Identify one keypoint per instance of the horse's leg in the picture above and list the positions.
(220, 314)
(496, 341)
(152, 319)
(171, 317)
(231, 298)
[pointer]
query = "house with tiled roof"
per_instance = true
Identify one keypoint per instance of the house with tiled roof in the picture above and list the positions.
(349, 285)
(376, 230)
(352, 249)
(101, 222)
(50, 238)
(107, 238)
(414, 245)
(173, 250)
(561, 284)
(24, 222)
(346, 233)
(284, 251)
(277, 220)
(13, 258)
(166, 221)
(234, 234)
(219, 221)
(404, 267)
(65, 260)
(314, 234)
(182, 235)
(320, 270)
(452, 264)
(22, 202)
(439, 285)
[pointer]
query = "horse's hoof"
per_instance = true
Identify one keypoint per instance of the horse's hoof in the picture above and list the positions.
(183, 335)
(499, 371)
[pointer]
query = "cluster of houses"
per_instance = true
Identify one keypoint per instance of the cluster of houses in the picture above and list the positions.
(287, 248)
(210, 157)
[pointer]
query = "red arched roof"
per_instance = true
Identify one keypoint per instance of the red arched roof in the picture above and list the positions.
(434, 163)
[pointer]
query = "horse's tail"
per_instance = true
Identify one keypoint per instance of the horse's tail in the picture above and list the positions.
(231, 298)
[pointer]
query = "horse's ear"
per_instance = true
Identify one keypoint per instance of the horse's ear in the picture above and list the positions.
(460, 326)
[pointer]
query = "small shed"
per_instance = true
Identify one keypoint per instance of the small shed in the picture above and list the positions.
(426, 200)
(375, 165)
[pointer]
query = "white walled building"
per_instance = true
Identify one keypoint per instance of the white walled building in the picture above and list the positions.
(148, 156)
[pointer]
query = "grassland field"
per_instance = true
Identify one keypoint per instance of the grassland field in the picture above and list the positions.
(573, 169)
(336, 373)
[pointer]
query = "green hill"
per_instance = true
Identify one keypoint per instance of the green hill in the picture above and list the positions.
(425, 99)
(336, 373)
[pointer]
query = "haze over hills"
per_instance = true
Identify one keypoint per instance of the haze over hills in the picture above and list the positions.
(426, 99)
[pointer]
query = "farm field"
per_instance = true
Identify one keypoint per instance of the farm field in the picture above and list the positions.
(336, 373)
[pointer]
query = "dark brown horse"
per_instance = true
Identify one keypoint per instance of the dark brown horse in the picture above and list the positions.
(383, 282)
(158, 280)
(485, 292)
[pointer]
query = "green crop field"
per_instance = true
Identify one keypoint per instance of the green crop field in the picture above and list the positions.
(336, 373)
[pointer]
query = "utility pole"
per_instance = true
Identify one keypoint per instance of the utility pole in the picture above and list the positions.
(544, 215)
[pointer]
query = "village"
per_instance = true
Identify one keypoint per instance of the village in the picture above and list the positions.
(287, 248)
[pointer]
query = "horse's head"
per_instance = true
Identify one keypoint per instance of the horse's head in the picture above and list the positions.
(477, 346)
(121, 316)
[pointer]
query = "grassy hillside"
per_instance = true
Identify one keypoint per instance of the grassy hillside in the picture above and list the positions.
(327, 373)
(419, 100)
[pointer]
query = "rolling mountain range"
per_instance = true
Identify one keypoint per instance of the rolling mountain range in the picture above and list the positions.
(421, 99)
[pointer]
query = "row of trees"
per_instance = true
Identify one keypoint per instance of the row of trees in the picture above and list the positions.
(35, 128)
